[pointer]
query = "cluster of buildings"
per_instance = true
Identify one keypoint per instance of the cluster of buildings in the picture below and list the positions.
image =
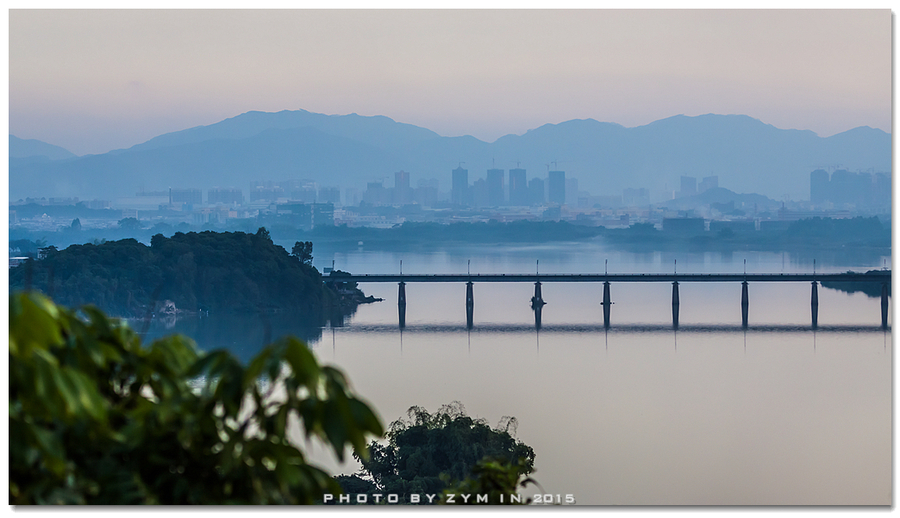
(501, 195)
(843, 189)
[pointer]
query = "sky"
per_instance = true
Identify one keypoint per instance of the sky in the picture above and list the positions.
(96, 80)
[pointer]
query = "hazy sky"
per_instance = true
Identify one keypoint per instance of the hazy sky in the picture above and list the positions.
(94, 80)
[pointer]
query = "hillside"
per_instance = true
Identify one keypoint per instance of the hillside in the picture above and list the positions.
(746, 154)
(227, 272)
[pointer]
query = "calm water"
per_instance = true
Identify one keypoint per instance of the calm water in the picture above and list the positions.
(638, 414)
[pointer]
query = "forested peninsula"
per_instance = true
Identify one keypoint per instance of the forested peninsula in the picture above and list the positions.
(219, 272)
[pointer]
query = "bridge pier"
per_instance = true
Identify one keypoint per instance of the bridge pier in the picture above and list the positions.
(537, 301)
(606, 304)
(401, 304)
(745, 304)
(884, 305)
(676, 304)
(814, 304)
(470, 305)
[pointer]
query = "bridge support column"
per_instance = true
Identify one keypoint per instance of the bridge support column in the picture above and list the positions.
(537, 301)
(814, 304)
(606, 304)
(470, 305)
(676, 304)
(401, 304)
(884, 306)
(745, 304)
(537, 304)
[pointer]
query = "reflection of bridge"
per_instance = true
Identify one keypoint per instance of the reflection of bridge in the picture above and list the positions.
(882, 277)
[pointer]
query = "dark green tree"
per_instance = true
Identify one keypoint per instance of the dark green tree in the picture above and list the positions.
(426, 451)
(492, 482)
(129, 224)
(95, 417)
(303, 251)
(220, 271)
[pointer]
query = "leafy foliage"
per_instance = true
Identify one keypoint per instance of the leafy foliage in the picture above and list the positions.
(97, 418)
(303, 251)
(428, 450)
(493, 479)
(229, 271)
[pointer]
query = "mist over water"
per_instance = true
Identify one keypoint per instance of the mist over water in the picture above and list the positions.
(777, 414)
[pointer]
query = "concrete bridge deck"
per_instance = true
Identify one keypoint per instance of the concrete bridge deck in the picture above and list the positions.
(881, 276)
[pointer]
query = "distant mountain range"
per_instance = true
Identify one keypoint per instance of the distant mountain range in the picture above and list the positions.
(35, 149)
(349, 150)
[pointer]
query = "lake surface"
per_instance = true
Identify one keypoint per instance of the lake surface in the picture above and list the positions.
(638, 414)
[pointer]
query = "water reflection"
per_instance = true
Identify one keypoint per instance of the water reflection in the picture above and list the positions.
(242, 334)
(650, 328)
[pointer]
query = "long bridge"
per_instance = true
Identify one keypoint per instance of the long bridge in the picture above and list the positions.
(882, 277)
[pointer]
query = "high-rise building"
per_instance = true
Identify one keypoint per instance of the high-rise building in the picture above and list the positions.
(376, 194)
(402, 191)
(818, 186)
(518, 189)
(556, 192)
(572, 191)
(186, 196)
(459, 192)
(688, 186)
(536, 192)
(710, 182)
(329, 195)
(495, 187)
(480, 196)
(426, 192)
(229, 196)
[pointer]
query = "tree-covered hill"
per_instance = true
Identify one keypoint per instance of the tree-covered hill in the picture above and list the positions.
(208, 271)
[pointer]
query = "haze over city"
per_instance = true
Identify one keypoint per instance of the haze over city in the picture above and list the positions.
(96, 80)
(681, 218)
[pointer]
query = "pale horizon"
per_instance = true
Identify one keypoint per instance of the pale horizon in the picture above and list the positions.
(92, 81)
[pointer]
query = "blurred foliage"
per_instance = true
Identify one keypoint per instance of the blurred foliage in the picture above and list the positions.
(427, 451)
(97, 418)
(495, 480)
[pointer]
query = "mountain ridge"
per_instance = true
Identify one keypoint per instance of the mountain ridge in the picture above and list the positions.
(747, 154)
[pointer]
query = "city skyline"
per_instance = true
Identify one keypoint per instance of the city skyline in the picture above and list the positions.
(131, 75)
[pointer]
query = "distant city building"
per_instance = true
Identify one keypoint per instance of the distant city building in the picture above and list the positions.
(426, 192)
(304, 194)
(329, 195)
(351, 196)
(322, 215)
(225, 196)
(536, 192)
(480, 195)
(636, 197)
(818, 186)
(557, 187)
(96, 204)
(688, 186)
(607, 202)
(186, 196)
(709, 182)
(459, 193)
(402, 193)
(376, 194)
(572, 191)
(495, 187)
(264, 193)
(846, 189)
(518, 189)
